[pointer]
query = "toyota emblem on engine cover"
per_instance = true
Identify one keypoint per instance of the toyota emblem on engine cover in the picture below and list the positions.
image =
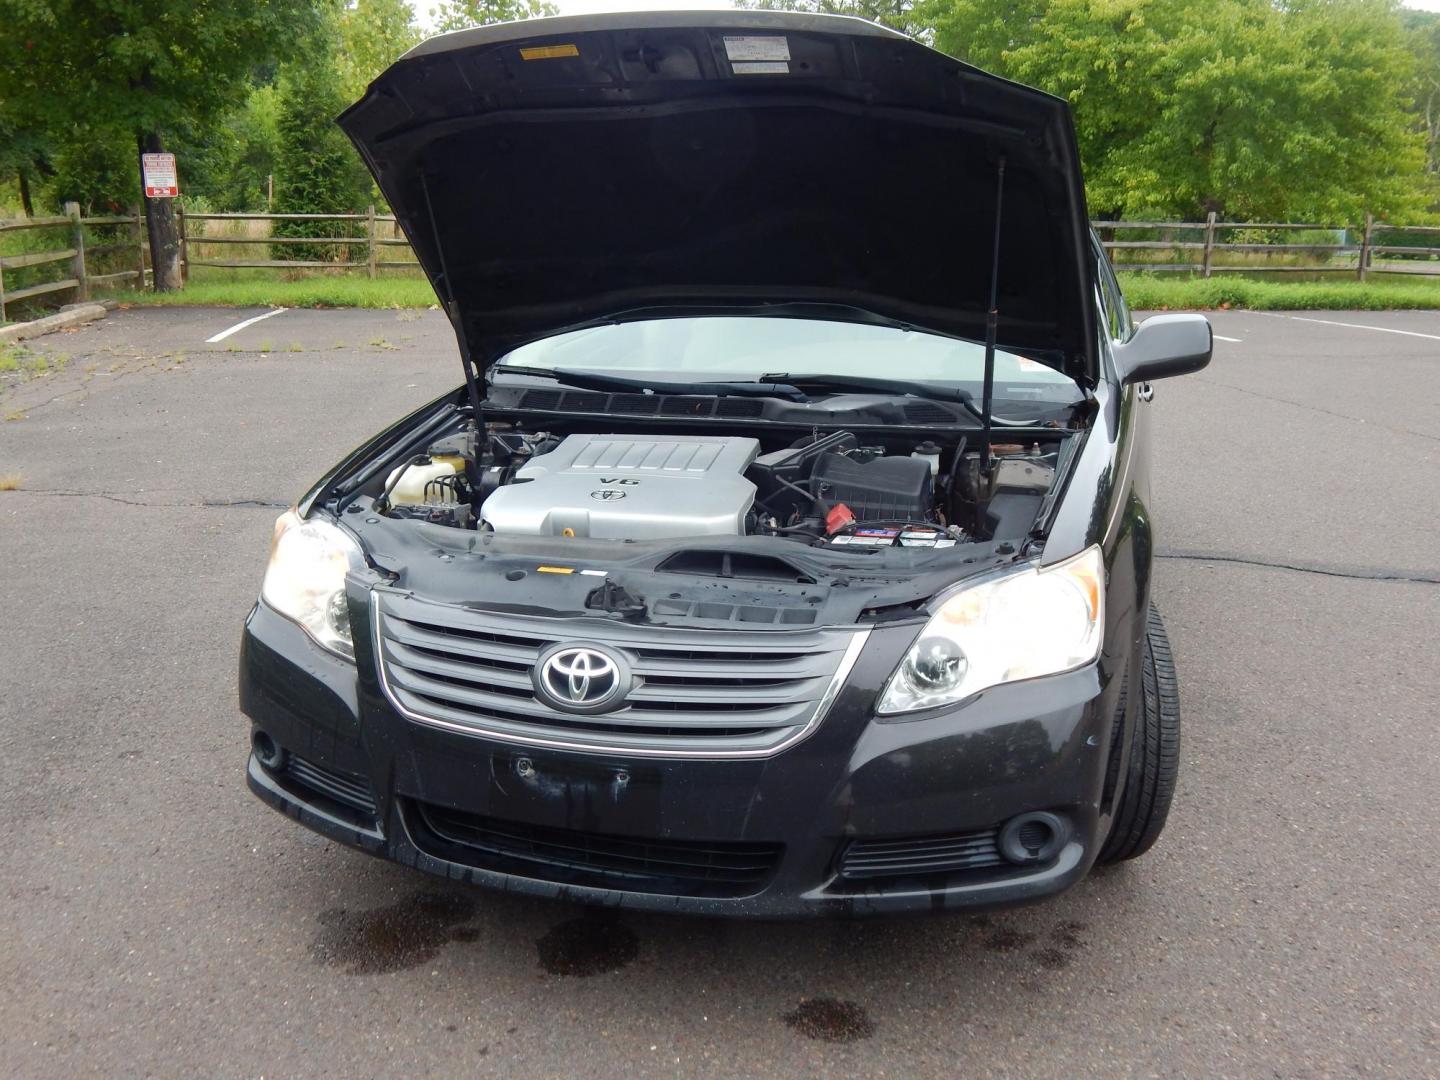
(581, 678)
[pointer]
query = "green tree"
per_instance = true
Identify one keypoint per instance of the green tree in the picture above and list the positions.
(450, 15)
(1424, 30)
(899, 14)
(95, 167)
(134, 67)
(316, 169)
(23, 155)
(1252, 109)
(373, 34)
(254, 130)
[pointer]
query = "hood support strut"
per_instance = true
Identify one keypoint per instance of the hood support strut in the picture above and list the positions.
(992, 320)
(476, 384)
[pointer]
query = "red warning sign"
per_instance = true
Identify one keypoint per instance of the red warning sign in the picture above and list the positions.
(160, 179)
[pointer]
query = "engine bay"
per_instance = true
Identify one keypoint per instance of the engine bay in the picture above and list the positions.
(835, 490)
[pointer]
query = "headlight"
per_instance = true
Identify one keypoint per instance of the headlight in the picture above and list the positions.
(305, 579)
(1003, 629)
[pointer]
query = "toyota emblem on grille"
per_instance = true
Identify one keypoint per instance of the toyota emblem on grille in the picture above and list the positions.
(581, 678)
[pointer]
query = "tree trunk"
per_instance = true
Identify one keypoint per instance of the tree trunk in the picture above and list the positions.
(25, 203)
(160, 224)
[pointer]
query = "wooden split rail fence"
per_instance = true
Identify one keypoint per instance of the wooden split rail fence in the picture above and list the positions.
(77, 259)
(1205, 248)
(371, 241)
(1349, 250)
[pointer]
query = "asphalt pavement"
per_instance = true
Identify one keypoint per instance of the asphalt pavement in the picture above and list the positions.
(159, 920)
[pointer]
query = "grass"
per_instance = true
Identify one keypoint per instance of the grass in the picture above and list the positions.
(329, 290)
(1153, 292)
(11, 481)
(17, 359)
(1146, 292)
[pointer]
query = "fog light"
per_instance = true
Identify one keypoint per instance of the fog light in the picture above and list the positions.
(1036, 837)
(268, 751)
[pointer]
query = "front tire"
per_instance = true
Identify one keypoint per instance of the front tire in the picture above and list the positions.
(1154, 753)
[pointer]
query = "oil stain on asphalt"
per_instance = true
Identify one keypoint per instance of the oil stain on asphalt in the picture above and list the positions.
(830, 1020)
(1065, 941)
(392, 938)
(593, 944)
(1007, 940)
(1055, 951)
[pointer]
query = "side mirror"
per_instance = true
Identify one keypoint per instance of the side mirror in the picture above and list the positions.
(1164, 345)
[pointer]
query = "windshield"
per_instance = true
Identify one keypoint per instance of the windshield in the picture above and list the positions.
(717, 349)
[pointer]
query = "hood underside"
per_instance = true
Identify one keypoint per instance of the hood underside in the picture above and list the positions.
(559, 173)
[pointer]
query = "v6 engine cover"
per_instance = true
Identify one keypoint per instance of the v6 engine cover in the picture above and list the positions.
(629, 487)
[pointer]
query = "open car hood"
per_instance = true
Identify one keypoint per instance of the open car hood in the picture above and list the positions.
(558, 173)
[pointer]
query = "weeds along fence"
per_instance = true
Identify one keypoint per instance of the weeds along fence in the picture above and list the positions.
(78, 255)
(295, 242)
(71, 254)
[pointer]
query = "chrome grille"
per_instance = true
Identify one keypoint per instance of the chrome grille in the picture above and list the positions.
(696, 693)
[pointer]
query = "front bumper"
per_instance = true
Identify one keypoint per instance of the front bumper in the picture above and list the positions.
(772, 837)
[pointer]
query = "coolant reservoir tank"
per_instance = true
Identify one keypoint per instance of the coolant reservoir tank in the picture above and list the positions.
(410, 488)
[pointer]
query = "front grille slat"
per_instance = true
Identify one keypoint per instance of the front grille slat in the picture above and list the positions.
(419, 636)
(455, 668)
(586, 731)
(921, 856)
(713, 693)
(697, 669)
(695, 853)
(699, 695)
(348, 791)
(655, 865)
(903, 847)
(469, 696)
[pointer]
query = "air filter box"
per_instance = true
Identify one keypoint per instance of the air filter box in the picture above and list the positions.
(881, 489)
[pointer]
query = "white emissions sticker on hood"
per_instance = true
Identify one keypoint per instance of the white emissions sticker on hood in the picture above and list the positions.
(770, 47)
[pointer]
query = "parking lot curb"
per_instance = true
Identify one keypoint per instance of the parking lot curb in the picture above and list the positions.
(73, 316)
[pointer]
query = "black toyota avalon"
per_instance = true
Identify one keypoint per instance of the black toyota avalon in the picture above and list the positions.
(787, 548)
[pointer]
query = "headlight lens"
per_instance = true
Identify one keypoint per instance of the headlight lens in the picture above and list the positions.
(1004, 629)
(305, 579)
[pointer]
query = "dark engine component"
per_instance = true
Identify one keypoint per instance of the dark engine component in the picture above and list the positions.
(800, 486)
(780, 475)
(880, 489)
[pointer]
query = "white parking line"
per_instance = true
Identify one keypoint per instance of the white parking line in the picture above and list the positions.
(223, 334)
(1222, 337)
(1351, 325)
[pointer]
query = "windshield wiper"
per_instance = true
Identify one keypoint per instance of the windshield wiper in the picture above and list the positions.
(589, 380)
(898, 387)
(901, 387)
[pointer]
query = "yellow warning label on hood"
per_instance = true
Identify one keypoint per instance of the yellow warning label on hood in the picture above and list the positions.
(548, 52)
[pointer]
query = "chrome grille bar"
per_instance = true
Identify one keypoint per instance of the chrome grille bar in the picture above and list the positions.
(696, 693)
